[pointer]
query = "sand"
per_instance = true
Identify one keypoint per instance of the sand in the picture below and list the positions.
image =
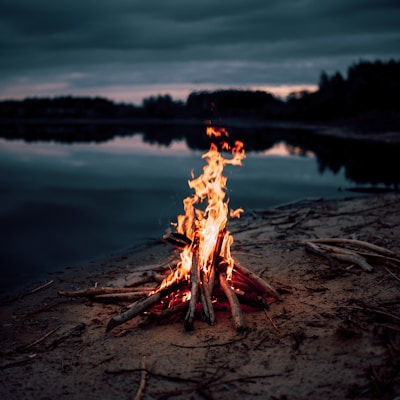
(334, 334)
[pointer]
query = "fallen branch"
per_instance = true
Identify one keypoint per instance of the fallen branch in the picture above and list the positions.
(356, 243)
(271, 321)
(393, 274)
(142, 384)
(331, 252)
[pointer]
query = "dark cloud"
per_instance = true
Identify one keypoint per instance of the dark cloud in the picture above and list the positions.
(256, 42)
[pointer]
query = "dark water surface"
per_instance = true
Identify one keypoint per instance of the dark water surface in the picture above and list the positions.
(61, 204)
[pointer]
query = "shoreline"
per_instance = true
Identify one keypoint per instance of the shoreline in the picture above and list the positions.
(332, 325)
(140, 251)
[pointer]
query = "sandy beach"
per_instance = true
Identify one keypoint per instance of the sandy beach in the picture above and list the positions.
(334, 333)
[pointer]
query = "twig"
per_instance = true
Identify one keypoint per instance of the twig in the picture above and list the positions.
(142, 384)
(41, 339)
(391, 273)
(381, 312)
(15, 298)
(41, 287)
(373, 310)
(385, 259)
(270, 320)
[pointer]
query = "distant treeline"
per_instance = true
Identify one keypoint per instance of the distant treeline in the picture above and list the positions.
(367, 98)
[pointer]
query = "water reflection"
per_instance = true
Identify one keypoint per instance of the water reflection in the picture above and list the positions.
(363, 162)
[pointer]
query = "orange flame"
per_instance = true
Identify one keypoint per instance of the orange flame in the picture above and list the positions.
(217, 132)
(204, 224)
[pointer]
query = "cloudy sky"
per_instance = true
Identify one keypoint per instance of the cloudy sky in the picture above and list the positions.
(129, 49)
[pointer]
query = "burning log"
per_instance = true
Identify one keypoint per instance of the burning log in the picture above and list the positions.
(240, 323)
(195, 278)
(139, 307)
(255, 281)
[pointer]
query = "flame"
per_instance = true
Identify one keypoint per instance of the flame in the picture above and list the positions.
(205, 224)
(217, 132)
(206, 212)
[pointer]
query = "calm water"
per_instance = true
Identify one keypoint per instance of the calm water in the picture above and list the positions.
(62, 204)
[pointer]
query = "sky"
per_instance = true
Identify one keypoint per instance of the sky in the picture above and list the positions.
(127, 50)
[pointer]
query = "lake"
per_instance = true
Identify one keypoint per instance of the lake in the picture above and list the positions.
(62, 204)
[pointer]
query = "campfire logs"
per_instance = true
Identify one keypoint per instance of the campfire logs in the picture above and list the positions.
(243, 287)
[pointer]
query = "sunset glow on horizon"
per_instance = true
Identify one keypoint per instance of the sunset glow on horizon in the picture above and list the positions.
(135, 94)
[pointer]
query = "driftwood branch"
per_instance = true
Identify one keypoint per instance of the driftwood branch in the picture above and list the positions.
(356, 243)
(332, 252)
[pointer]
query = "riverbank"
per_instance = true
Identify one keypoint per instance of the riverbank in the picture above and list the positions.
(335, 333)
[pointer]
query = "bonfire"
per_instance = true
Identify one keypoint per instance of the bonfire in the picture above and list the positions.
(206, 273)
